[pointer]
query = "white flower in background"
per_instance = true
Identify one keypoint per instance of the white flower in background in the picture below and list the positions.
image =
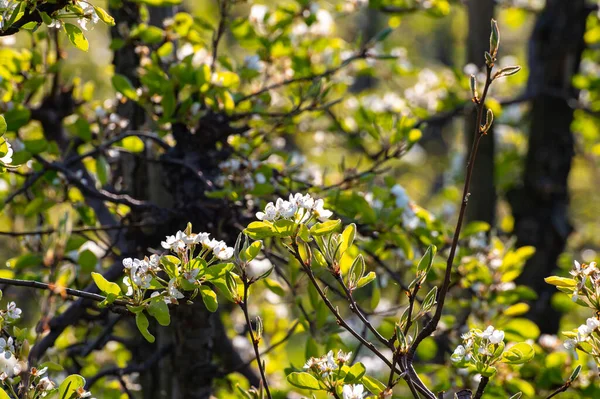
(7, 158)
(12, 311)
(270, 213)
(258, 267)
(324, 24)
(258, 12)
(185, 51)
(253, 62)
(402, 198)
(353, 391)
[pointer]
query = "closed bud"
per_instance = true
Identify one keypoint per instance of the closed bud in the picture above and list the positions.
(494, 39)
(474, 87)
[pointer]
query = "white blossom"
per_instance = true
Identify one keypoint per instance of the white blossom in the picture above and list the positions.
(12, 311)
(353, 391)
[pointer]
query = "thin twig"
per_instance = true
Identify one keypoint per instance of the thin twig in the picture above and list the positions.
(255, 340)
(57, 289)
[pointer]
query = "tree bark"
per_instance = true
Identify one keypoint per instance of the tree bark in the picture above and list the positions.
(540, 206)
(482, 202)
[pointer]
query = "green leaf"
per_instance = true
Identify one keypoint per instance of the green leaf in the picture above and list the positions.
(373, 385)
(76, 37)
(209, 297)
(347, 238)
(3, 394)
(3, 125)
(102, 169)
(355, 373)
(87, 260)
(474, 228)
(518, 354)
(158, 309)
(366, 279)
(259, 230)
(104, 16)
(303, 380)
(561, 281)
(106, 286)
(320, 229)
(251, 252)
(152, 35)
(274, 286)
(426, 261)
(284, 228)
(142, 324)
(158, 3)
(124, 86)
(70, 385)
(218, 270)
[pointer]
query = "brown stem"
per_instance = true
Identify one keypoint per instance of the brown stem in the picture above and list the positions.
(254, 339)
(482, 384)
(53, 288)
(432, 325)
(361, 316)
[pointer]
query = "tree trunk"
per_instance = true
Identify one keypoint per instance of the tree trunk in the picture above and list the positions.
(482, 202)
(540, 206)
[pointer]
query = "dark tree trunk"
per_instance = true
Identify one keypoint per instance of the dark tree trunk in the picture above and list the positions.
(482, 202)
(540, 206)
(188, 369)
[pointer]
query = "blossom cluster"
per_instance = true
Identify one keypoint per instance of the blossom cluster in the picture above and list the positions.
(585, 334)
(181, 242)
(299, 208)
(410, 220)
(241, 171)
(477, 344)
(88, 14)
(327, 364)
(14, 363)
(582, 274)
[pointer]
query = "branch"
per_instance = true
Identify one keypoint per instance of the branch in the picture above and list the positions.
(482, 384)
(117, 371)
(85, 229)
(255, 340)
(56, 289)
(432, 325)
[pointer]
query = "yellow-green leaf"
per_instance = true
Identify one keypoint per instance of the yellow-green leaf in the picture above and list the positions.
(77, 37)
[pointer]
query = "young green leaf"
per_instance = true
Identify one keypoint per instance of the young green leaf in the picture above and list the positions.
(104, 16)
(209, 297)
(142, 324)
(77, 37)
(303, 380)
(106, 286)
